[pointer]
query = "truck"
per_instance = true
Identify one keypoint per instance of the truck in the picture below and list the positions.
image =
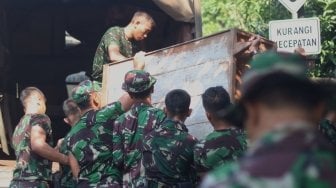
(41, 42)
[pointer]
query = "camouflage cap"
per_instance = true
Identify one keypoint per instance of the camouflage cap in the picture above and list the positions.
(269, 62)
(82, 91)
(137, 81)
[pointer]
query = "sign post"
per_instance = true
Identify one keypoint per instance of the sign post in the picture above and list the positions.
(294, 33)
(293, 6)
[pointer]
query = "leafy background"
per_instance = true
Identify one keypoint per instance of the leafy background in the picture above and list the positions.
(254, 16)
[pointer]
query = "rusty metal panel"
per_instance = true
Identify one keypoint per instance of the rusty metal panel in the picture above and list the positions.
(193, 66)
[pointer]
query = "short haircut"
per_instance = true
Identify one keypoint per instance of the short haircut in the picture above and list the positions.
(85, 103)
(281, 89)
(215, 100)
(27, 92)
(143, 94)
(70, 107)
(177, 102)
(145, 15)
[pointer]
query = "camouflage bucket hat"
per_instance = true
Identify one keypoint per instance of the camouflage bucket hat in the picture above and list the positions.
(82, 91)
(137, 81)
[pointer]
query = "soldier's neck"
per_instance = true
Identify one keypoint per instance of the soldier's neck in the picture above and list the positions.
(221, 125)
(128, 32)
(147, 100)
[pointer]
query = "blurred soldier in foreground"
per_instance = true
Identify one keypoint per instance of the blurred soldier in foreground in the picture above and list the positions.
(118, 43)
(225, 143)
(328, 124)
(168, 150)
(32, 140)
(282, 109)
(131, 127)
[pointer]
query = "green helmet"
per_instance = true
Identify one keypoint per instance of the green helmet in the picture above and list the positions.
(82, 91)
(137, 81)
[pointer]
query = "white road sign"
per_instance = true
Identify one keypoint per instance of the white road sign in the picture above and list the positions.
(294, 33)
(292, 5)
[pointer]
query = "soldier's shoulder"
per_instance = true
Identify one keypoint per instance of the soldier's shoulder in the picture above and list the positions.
(40, 118)
(114, 29)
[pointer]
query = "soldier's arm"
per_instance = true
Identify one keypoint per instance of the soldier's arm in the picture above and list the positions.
(74, 165)
(39, 146)
(114, 53)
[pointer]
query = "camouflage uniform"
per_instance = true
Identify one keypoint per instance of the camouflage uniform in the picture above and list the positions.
(31, 169)
(66, 178)
(168, 155)
(91, 142)
(329, 130)
(131, 127)
(219, 147)
(293, 156)
(116, 36)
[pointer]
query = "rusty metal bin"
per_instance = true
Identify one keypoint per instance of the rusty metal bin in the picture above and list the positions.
(194, 66)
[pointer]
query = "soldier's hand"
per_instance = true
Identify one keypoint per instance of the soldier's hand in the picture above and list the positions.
(59, 143)
(255, 41)
(139, 61)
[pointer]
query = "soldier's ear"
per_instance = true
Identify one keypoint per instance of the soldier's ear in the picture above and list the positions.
(66, 121)
(189, 112)
(208, 115)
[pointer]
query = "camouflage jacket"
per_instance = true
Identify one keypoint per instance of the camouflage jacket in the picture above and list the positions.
(114, 35)
(29, 165)
(168, 154)
(219, 147)
(67, 180)
(131, 128)
(292, 156)
(329, 130)
(90, 141)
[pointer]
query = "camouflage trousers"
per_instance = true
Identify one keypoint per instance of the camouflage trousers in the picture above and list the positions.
(30, 184)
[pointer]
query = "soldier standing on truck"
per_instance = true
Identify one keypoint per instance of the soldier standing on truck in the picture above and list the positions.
(118, 42)
(32, 140)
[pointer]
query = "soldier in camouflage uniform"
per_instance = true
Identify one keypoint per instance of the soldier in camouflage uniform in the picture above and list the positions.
(117, 42)
(281, 108)
(328, 124)
(131, 127)
(226, 143)
(90, 141)
(168, 150)
(32, 140)
(73, 114)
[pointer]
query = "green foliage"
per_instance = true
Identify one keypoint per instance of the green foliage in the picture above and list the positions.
(254, 16)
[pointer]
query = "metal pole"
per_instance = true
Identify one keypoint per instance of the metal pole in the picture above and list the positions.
(198, 18)
(294, 15)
